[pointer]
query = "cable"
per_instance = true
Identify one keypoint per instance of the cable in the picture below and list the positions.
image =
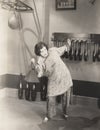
(22, 47)
(23, 32)
(37, 19)
(36, 25)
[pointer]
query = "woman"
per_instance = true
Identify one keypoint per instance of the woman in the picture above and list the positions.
(59, 78)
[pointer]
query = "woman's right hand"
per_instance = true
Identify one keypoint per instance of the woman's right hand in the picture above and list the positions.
(39, 70)
(33, 63)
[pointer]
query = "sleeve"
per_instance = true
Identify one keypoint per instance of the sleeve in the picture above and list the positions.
(33, 62)
(40, 67)
(50, 65)
(61, 50)
(39, 70)
(64, 48)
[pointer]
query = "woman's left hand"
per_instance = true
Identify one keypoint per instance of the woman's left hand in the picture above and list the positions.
(69, 42)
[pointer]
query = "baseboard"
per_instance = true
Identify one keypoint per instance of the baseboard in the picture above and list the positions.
(9, 81)
(86, 88)
(80, 88)
(12, 81)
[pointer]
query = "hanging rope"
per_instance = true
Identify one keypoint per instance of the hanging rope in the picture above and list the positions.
(39, 35)
(25, 44)
(15, 22)
(38, 22)
(25, 58)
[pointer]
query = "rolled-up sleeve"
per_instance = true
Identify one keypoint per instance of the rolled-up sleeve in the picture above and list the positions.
(40, 67)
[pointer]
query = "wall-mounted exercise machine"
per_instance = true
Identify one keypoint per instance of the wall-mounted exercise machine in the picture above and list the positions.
(83, 46)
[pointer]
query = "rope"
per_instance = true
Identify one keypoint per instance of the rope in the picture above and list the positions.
(10, 6)
(36, 25)
(22, 45)
(25, 47)
(37, 19)
(29, 30)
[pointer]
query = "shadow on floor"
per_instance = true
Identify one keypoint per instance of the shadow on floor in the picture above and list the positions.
(72, 123)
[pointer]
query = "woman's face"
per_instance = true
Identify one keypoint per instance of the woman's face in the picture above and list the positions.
(44, 52)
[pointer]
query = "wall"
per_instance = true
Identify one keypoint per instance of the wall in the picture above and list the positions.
(85, 19)
(3, 45)
(14, 56)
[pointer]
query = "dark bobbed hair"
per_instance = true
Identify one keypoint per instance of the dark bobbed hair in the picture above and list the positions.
(39, 46)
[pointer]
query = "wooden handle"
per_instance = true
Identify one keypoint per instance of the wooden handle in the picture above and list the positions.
(86, 51)
(94, 53)
(98, 54)
(71, 50)
(75, 50)
(80, 50)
